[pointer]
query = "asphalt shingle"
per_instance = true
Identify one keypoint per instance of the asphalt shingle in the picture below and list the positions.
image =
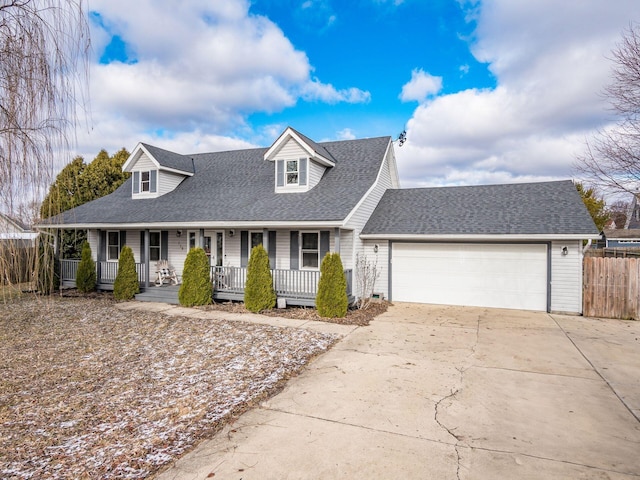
(526, 208)
(240, 186)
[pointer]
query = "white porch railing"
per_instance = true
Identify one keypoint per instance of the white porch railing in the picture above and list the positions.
(300, 284)
(106, 272)
(228, 282)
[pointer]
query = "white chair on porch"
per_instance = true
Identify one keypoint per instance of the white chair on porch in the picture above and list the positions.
(165, 273)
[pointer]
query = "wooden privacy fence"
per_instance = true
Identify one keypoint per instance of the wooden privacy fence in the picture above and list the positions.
(611, 287)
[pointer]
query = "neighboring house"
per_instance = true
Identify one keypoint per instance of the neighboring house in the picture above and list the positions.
(633, 214)
(621, 238)
(14, 233)
(512, 246)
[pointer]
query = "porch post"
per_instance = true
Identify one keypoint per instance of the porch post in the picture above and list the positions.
(336, 242)
(146, 259)
(265, 239)
(201, 239)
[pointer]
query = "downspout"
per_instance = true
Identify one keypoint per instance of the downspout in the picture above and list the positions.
(587, 246)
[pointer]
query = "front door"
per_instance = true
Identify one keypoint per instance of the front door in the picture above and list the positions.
(214, 246)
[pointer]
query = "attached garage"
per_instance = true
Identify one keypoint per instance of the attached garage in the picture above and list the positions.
(515, 246)
(501, 275)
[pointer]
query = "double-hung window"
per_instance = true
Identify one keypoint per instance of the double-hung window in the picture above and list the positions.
(292, 172)
(310, 250)
(154, 246)
(113, 246)
(145, 181)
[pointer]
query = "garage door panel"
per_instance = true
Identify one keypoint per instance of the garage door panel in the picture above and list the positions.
(493, 275)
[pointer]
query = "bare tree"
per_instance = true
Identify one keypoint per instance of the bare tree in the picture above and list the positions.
(366, 273)
(612, 158)
(44, 46)
(44, 52)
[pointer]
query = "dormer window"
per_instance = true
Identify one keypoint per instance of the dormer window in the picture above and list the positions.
(145, 181)
(291, 172)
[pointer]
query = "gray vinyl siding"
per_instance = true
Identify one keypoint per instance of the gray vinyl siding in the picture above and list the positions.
(291, 149)
(144, 163)
(168, 181)
(92, 238)
(282, 249)
(315, 173)
(566, 277)
(346, 248)
(381, 261)
(366, 208)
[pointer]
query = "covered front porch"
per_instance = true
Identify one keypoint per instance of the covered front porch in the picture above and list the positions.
(293, 287)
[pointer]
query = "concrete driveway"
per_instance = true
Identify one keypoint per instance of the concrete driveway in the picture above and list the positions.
(439, 392)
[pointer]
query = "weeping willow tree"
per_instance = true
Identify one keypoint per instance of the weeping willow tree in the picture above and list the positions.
(44, 52)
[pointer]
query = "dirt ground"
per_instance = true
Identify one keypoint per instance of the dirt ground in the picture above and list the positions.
(90, 391)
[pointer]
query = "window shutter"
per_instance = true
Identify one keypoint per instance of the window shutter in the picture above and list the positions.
(136, 182)
(123, 238)
(272, 249)
(294, 254)
(102, 253)
(302, 167)
(280, 173)
(244, 248)
(153, 181)
(164, 245)
(142, 249)
(324, 243)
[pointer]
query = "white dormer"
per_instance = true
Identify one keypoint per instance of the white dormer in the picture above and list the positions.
(299, 163)
(155, 172)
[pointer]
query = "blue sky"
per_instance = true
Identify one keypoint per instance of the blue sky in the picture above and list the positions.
(495, 91)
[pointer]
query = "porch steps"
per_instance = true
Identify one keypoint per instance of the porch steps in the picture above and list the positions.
(165, 294)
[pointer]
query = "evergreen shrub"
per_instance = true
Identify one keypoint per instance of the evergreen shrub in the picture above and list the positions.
(126, 285)
(196, 288)
(331, 300)
(259, 293)
(86, 275)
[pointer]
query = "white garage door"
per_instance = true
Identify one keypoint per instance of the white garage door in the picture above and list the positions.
(484, 275)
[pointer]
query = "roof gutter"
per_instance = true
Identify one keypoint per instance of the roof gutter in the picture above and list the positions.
(480, 237)
(258, 225)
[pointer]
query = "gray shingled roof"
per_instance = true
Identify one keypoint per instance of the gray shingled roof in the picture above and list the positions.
(315, 146)
(516, 209)
(175, 161)
(239, 186)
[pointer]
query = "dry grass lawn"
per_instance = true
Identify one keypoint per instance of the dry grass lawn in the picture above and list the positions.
(91, 391)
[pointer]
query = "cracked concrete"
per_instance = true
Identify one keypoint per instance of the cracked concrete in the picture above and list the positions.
(440, 392)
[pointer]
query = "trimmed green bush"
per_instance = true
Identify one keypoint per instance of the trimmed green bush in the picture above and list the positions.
(86, 275)
(331, 300)
(196, 288)
(126, 285)
(259, 293)
(48, 268)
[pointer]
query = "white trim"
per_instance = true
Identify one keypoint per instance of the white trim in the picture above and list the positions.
(479, 237)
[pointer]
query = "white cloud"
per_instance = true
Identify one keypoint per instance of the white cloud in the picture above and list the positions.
(317, 91)
(421, 86)
(550, 62)
(346, 134)
(200, 66)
